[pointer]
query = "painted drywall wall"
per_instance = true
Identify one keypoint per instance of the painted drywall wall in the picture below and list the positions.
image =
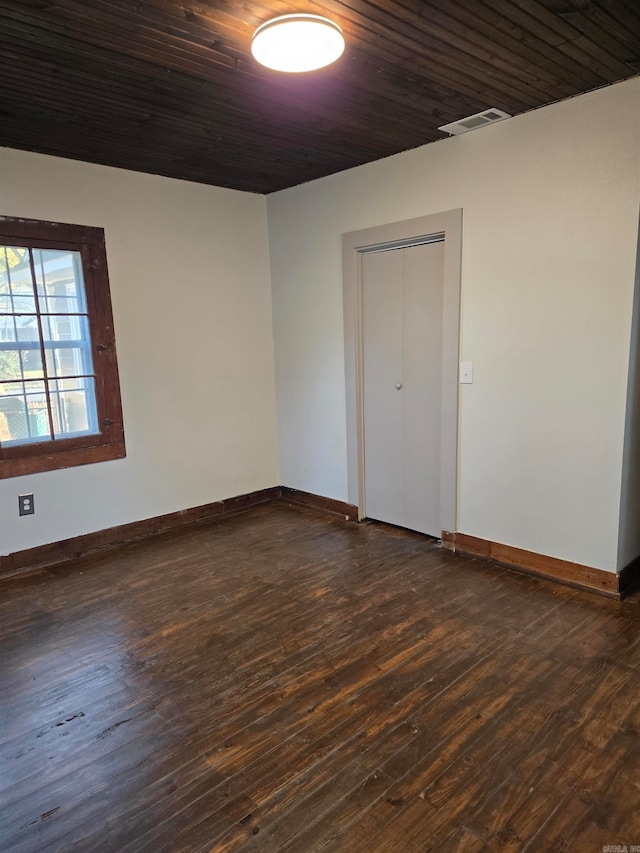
(629, 542)
(550, 217)
(189, 274)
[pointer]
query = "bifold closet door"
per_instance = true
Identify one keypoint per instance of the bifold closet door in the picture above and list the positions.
(402, 388)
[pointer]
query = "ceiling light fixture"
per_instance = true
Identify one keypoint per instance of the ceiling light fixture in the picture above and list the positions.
(296, 43)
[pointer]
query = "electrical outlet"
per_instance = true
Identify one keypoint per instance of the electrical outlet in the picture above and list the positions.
(26, 506)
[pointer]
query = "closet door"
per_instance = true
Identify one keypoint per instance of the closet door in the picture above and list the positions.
(402, 388)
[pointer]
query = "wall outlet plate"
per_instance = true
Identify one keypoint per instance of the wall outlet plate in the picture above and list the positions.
(26, 506)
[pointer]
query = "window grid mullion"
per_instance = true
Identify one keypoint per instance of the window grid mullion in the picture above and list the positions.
(54, 379)
(42, 349)
(45, 313)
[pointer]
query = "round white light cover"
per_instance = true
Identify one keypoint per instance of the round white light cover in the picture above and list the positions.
(297, 43)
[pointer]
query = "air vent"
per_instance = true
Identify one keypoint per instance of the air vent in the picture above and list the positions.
(472, 122)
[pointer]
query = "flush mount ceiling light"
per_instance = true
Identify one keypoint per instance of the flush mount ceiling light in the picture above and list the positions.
(296, 43)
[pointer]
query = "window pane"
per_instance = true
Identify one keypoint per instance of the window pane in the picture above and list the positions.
(59, 281)
(10, 366)
(18, 304)
(13, 418)
(23, 413)
(11, 258)
(19, 329)
(63, 327)
(68, 345)
(20, 364)
(15, 272)
(68, 361)
(27, 328)
(7, 329)
(73, 406)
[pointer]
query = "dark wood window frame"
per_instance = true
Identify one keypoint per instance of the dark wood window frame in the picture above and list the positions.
(56, 453)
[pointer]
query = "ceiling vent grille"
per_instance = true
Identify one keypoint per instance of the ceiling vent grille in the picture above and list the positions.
(472, 122)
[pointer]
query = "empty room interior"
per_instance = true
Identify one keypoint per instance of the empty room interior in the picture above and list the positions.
(319, 426)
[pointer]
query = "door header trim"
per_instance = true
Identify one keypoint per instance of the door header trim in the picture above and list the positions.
(402, 244)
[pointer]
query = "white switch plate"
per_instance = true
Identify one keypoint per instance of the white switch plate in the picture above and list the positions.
(466, 373)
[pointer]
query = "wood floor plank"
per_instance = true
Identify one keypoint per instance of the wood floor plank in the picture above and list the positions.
(280, 681)
(339, 723)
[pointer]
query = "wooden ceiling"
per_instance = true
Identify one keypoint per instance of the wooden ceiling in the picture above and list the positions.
(170, 87)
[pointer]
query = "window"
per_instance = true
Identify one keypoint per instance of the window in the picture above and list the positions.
(59, 390)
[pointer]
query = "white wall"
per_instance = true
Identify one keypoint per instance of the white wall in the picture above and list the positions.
(550, 228)
(189, 273)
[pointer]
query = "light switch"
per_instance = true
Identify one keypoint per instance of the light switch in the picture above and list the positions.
(466, 373)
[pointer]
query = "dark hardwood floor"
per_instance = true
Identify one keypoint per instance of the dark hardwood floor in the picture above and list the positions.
(285, 681)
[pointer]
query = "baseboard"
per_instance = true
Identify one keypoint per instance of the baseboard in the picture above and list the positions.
(629, 577)
(51, 554)
(562, 571)
(552, 568)
(55, 553)
(317, 502)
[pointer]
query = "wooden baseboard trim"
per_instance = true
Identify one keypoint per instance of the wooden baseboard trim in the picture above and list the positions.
(55, 553)
(629, 578)
(242, 503)
(326, 505)
(44, 556)
(571, 574)
(552, 568)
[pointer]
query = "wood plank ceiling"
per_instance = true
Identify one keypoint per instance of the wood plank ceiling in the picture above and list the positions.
(170, 87)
